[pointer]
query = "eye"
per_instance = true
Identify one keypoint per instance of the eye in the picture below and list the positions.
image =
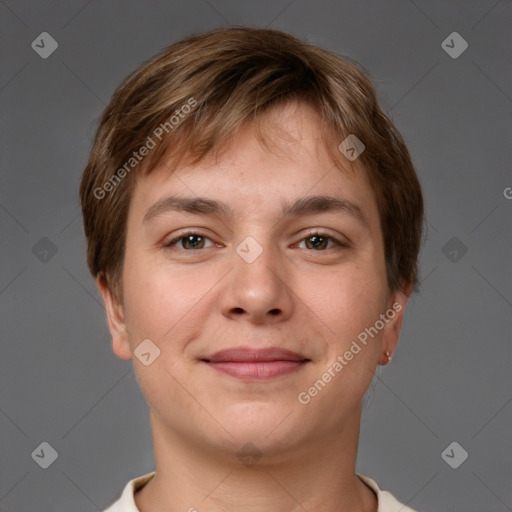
(190, 240)
(320, 242)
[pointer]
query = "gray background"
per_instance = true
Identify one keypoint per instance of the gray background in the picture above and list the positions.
(450, 379)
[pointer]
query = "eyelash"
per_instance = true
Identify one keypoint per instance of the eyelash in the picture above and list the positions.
(337, 242)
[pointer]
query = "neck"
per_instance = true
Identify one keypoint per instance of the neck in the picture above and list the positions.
(318, 475)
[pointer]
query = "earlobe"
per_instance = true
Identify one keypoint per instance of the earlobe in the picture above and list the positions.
(115, 320)
(395, 313)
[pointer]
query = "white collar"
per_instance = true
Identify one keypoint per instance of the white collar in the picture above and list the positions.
(126, 503)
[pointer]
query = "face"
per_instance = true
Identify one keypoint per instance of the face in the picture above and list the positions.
(259, 249)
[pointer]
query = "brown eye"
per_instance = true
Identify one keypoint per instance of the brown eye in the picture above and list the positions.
(189, 241)
(193, 242)
(320, 242)
(316, 242)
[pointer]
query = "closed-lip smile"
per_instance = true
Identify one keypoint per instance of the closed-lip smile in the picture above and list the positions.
(255, 364)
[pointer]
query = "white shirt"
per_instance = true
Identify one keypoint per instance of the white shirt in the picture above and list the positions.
(126, 503)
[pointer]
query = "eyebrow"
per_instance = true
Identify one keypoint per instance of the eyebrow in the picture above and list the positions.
(303, 206)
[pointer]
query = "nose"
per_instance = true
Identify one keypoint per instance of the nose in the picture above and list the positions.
(257, 290)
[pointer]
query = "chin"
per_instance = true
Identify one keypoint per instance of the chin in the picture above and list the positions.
(265, 425)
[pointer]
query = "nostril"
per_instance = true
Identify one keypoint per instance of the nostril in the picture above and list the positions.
(274, 311)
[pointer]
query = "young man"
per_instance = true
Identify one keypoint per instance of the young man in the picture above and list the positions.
(253, 222)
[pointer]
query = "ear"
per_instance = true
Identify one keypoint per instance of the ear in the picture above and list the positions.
(396, 304)
(116, 321)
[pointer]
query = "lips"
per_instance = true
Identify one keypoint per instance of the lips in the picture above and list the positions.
(255, 364)
(243, 354)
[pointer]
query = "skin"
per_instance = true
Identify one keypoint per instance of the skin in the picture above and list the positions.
(194, 301)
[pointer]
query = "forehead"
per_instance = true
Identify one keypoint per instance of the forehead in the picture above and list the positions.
(251, 174)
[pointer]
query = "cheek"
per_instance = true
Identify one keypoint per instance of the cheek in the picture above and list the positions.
(160, 302)
(352, 300)
(346, 298)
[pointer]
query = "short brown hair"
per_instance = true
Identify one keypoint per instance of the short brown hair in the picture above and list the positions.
(230, 76)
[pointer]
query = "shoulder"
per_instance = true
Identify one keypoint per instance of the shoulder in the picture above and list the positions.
(387, 502)
(126, 503)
